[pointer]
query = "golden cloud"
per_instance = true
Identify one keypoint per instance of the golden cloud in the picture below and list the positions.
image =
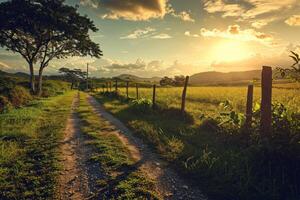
(234, 32)
(135, 10)
(293, 20)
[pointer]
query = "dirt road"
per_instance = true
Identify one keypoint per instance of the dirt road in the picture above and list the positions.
(79, 174)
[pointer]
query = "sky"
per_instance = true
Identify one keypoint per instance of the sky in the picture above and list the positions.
(182, 37)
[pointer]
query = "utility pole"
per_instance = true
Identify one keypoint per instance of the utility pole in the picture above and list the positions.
(87, 76)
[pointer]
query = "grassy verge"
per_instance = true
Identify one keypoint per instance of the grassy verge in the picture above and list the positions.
(28, 154)
(224, 161)
(123, 178)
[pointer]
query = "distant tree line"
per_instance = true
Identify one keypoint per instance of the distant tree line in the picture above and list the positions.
(176, 81)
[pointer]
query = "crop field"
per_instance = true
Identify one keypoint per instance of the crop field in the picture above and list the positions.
(206, 100)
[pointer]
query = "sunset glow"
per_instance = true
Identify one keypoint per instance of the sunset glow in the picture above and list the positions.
(176, 37)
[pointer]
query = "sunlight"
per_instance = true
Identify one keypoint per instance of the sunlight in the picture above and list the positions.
(227, 51)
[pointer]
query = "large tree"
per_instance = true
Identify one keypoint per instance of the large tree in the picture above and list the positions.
(42, 30)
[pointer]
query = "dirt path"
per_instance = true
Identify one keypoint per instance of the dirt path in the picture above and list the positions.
(77, 180)
(169, 184)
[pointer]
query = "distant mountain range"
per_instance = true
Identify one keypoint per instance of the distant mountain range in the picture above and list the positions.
(214, 78)
(129, 77)
(203, 78)
(206, 78)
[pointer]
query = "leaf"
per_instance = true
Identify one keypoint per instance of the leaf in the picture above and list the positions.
(296, 55)
(295, 59)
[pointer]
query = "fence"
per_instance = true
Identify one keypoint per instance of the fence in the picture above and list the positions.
(266, 99)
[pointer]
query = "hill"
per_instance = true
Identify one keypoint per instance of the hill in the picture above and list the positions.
(215, 78)
(130, 77)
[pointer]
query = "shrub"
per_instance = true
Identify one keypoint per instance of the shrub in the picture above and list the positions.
(19, 96)
(174, 148)
(53, 88)
(5, 105)
(141, 105)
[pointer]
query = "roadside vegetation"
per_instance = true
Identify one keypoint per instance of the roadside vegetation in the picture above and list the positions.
(123, 179)
(29, 138)
(211, 146)
(14, 91)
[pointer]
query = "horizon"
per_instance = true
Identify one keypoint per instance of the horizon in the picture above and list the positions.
(169, 37)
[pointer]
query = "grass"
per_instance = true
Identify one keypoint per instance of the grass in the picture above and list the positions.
(123, 178)
(206, 100)
(220, 160)
(28, 154)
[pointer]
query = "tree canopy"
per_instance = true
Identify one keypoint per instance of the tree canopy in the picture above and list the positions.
(42, 30)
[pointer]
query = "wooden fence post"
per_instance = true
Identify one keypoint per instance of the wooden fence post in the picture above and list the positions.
(127, 85)
(103, 88)
(266, 101)
(137, 91)
(184, 94)
(153, 97)
(106, 86)
(249, 106)
(110, 86)
(116, 85)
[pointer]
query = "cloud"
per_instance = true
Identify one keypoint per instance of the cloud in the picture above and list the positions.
(227, 9)
(293, 20)
(135, 10)
(234, 32)
(146, 33)
(139, 64)
(4, 66)
(188, 33)
(184, 15)
(266, 10)
(260, 7)
(162, 36)
(139, 33)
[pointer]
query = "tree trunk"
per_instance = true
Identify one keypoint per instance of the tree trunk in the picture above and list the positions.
(32, 79)
(72, 85)
(40, 82)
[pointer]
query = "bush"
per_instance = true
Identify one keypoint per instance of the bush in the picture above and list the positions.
(141, 105)
(5, 105)
(53, 88)
(19, 96)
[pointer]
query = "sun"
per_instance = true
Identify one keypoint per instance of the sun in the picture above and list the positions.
(228, 51)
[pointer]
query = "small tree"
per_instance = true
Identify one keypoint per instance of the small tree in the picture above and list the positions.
(73, 75)
(166, 81)
(179, 80)
(294, 71)
(42, 30)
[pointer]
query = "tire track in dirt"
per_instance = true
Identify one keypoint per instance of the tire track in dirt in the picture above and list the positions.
(169, 184)
(77, 179)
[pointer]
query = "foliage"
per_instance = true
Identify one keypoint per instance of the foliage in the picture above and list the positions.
(177, 81)
(225, 159)
(73, 75)
(19, 96)
(141, 105)
(41, 30)
(166, 81)
(5, 104)
(294, 70)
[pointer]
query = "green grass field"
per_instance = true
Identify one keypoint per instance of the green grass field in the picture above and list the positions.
(221, 158)
(206, 100)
